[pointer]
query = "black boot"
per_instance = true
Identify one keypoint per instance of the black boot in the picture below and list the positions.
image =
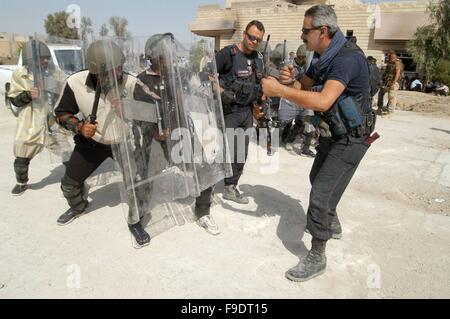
(21, 169)
(69, 216)
(141, 237)
(19, 189)
(313, 265)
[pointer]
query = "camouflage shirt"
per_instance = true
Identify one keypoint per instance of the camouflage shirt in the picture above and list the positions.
(391, 70)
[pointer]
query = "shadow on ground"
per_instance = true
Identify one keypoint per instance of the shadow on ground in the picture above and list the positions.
(271, 202)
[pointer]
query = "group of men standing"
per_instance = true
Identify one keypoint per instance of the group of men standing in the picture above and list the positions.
(95, 105)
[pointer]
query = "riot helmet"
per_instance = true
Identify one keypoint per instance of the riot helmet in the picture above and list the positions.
(34, 50)
(105, 60)
(104, 56)
(158, 47)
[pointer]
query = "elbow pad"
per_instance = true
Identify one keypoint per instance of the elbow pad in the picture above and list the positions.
(23, 99)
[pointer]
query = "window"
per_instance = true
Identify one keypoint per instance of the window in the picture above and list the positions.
(69, 61)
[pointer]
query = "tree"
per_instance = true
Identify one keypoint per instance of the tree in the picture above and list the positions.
(422, 50)
(440, 15)
(104, 31)
(86, 29)
(119, 27)
(441, 71)
(56, 25)
(432, 42)
(196, 54)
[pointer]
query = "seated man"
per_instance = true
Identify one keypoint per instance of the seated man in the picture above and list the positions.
(416, 84)
(442, 89)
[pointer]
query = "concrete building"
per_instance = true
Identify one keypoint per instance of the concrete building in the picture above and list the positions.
(378, 28)
(8, 47)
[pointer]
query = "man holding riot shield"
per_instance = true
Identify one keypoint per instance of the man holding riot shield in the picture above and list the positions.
(190, 104)
(96, 94)
(34, 89)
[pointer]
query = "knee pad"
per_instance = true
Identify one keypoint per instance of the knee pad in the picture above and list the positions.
(21, 169)
(74, 193)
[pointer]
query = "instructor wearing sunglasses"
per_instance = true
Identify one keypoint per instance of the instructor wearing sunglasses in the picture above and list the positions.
(337, 88)
(240, 69)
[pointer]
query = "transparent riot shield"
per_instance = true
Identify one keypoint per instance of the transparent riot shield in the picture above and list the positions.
(141, 115)
(37, 86)
(53, 60)
(203, 114)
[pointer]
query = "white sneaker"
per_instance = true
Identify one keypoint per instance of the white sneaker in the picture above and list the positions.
(208, 223)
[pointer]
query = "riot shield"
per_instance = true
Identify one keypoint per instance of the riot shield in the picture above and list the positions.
(202, 107)
(142, 115)
(47, 62)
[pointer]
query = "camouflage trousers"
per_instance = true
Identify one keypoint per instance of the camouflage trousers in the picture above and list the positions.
(392, 98)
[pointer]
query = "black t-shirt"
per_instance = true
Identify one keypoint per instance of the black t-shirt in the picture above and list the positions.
(351, 69)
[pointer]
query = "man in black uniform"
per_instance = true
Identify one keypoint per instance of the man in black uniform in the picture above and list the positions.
(94, 139)
(341, 97)
(240, 69)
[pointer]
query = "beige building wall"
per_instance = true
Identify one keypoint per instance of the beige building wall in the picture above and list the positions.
(284, 19)
(8, 47)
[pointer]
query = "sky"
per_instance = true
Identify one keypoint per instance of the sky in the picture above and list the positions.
(145, 17)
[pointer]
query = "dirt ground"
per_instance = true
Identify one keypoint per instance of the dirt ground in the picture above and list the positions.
(395, 217)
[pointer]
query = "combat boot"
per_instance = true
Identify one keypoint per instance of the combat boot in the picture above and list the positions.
(69, 216)
(313, 265)
(232, 193)
(19, 189)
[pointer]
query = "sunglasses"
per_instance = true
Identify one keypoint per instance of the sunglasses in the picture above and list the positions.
(308, 30)
(253, 38)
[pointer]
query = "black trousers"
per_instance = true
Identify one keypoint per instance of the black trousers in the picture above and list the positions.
(241, 118)
(332, 171)
(203, 203)
(86, 158)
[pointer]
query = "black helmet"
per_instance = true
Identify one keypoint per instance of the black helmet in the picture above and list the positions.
(104, 55)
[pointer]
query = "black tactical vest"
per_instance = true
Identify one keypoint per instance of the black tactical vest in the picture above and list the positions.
(350, 115)
(242, 77)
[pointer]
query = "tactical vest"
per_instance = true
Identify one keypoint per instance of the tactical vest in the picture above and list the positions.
(389, 74)
(242, 86)
(350, 115)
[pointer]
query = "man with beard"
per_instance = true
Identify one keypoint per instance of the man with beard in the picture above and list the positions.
(337, 88)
